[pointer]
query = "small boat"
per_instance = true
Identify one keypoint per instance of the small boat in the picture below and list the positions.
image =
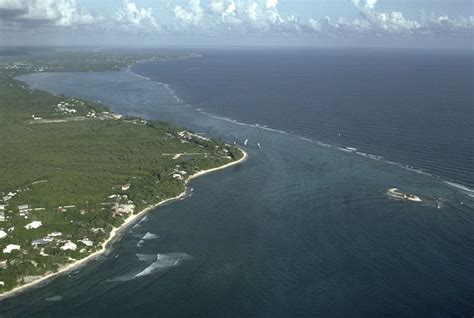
(246, 142)
(395, 193)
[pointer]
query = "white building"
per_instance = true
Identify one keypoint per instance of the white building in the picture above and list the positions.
(69, 246)
(3, 234)
(86, 242)
(177, 176)
(33, 225)
(124, 208)
(10, 248)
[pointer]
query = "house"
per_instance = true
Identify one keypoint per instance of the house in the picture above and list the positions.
(23, 207)
(10, 248)
(33, 225)
(123, 209)
(69, 246)
(3, 234)
(39, 242)
(125, 187)
(23, 210)
(86, 242)
(55, 234)
(2, 207)
(2, 216)
(177, 176)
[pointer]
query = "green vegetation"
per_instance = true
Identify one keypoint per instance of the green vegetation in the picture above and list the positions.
(78, 168)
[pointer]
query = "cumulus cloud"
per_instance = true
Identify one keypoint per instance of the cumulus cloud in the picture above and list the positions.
(260, 16)
(190, 15)
(380, 23)
(132, 17)
(369, 4)
(229, 15)
(59, 13)
(233, 16)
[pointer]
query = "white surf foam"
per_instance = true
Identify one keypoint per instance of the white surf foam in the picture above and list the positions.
(163, 261)
(150, 236)
(157, 263)
(139, 76)
(139, 224)
(230, 120)
(461, 187)
(55, 298)
(146, 257)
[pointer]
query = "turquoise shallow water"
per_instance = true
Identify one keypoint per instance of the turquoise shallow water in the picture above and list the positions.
(300, 229)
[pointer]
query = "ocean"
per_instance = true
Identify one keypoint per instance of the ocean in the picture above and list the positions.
(304, 228)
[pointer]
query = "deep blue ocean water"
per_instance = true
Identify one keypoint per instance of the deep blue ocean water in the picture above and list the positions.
(303, 228)
(410, 106)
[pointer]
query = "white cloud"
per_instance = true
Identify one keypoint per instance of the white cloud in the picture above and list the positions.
(252, 11)
(263, 16)
(132, 17)
(224, 15)
(381, 23)
(11, 4)
(271, 4)
(62, 13)
(232, 16)
(191, 15)
(369, 4)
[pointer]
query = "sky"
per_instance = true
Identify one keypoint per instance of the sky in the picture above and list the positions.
(404, 23)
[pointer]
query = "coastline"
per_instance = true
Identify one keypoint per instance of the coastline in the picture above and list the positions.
(116, 231)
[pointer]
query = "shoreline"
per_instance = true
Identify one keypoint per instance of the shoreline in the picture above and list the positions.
(116, 231)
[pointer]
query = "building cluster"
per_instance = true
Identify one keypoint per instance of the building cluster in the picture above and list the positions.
(66, 108)
(179, 174)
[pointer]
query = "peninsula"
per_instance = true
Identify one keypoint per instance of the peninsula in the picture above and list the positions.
(73, 173)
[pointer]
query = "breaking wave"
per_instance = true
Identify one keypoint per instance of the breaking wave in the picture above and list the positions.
(150, 236)
(163, 261)
(139, 224)
(55, 298)
(160, 263)
(461, 187)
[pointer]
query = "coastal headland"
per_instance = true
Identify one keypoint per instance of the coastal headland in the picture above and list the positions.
(75, 174)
